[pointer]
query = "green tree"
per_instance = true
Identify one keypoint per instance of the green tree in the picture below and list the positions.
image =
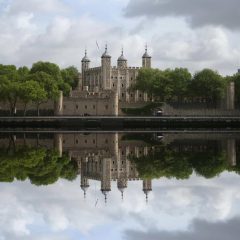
(32, 91)
(70, 76)
(155, 82)
(40, 165)
(163, 162)
(208, 84)
(10, 91)
(53, 71)
(180, 79)
(208, 164)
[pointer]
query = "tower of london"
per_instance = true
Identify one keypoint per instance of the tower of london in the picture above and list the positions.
(104, 90)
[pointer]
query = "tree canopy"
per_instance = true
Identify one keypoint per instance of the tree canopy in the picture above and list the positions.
(163, 161)
(179, 82)
(37, 85)
(40, 165)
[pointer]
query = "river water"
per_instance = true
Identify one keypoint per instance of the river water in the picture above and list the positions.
(120, 185)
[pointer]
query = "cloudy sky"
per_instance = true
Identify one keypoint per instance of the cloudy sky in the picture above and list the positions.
(180, 33)
(177, 210)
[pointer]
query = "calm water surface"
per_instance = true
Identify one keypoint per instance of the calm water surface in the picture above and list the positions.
(167, 186)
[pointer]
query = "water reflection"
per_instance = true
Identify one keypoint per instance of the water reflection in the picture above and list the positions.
(108, 157)
(193, 177)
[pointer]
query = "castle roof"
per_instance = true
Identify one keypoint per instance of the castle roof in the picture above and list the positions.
(85, 58)
(105, 54)
(122, 58)
(146, 55)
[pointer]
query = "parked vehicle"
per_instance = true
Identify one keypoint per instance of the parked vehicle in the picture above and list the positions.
(157, 112)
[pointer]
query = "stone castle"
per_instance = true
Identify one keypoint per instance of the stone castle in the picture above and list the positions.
(106, 90)
(102, 89)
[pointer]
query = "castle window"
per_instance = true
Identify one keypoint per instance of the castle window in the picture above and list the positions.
(76, 141)
(122, 85)
(85, 141)
(85, 106)
(120, 77)
(122, 152)
(76, 106)
(106, 107)
(94, 107)
(93, 141)
(131, 95)
(115, 77)
(140, 95)
(122, 94)
(113, 84)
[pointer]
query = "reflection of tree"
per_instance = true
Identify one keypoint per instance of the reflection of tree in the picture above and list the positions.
(163, 161)
(40, 165)
(208, 164)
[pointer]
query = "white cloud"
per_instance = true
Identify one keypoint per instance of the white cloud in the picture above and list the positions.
(36, 6)
(60, 208)
(54, 31)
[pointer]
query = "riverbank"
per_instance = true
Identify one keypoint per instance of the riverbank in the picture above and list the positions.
(114, 123)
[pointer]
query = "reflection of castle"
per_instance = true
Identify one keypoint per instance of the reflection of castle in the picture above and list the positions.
(104, 157)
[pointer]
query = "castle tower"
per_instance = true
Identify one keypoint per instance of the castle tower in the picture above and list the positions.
(85, 66)
(146, 59)
(106, 70)
(122, 185)
(122, 61)
(106, 177)
(84, 180)
(147, 187)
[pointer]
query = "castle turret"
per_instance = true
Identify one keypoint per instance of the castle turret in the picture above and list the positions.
(122, 61)
(146, 59)
(106, 70)
(122, 185)
(106, 177)
(147, 187)
(84, 180)
(85, 66)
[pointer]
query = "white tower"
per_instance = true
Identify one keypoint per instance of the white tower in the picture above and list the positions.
(85, 66)
(122, 61)
(106, 70)
(146, 59)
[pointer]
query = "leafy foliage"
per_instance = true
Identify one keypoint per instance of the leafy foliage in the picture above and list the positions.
(39, 165)
(40, 83)
(163, 161)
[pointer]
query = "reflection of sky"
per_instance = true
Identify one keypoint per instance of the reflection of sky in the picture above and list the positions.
(59, 211)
